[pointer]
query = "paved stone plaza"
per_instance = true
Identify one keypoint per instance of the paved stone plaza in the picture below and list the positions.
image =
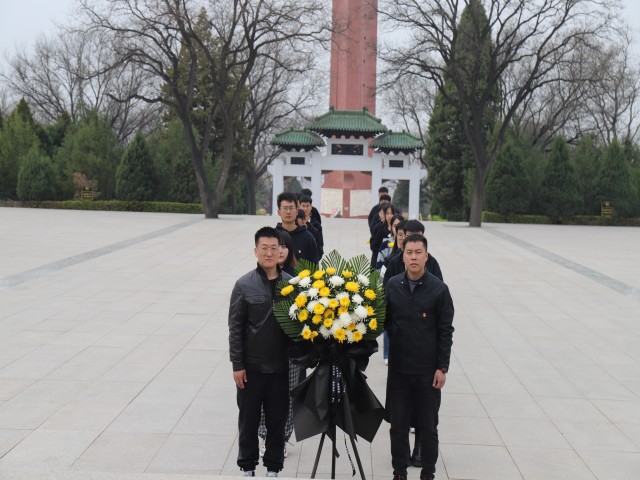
(114, 363)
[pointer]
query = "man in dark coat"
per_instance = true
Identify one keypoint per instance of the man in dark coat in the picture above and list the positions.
(258, 353)
(374, 214)
(304, 244)
(420, 326)
(315, 214)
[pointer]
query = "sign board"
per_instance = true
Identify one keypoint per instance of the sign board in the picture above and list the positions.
(606, 210)
(87, 193)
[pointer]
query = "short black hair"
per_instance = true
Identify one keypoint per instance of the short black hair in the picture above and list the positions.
(301, 214)
(287, 197)
(400, 225)
(267, 232)
(383, 189)
(304, 198)
(385, 198)
(307, 192)
(415, 237)
(414, 226)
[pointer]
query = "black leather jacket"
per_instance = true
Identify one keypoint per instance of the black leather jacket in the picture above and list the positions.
(256, 341)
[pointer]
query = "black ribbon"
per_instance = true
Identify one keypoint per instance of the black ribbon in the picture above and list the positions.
(336, 391)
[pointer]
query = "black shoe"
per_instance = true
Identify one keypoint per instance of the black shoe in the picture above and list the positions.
(416, 459)
(427, 477)
(399, 477)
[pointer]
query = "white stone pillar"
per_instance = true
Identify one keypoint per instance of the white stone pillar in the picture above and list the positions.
(316, 178)
(376, 176)
(277, 174)
(414, 190)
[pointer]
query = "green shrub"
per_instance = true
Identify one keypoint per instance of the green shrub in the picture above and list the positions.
(614, 183)
(507, 190)
(136, 176)
(36, 177)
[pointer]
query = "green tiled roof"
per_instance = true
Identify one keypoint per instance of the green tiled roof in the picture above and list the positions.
(397, 142)
(297, 139)
(347, 123)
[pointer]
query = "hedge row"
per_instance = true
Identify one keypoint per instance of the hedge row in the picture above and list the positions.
(493, 217)
(112, 205)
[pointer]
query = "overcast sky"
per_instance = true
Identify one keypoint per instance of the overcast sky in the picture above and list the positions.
(22, 21)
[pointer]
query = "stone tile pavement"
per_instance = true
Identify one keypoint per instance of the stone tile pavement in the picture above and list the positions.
(114, 363)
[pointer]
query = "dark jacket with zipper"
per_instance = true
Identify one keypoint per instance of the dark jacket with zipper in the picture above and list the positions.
(256, 341)
(419, 324)
(396, 267)
(304, 245)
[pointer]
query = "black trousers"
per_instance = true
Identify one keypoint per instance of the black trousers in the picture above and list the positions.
(271, 392)
(409, 394)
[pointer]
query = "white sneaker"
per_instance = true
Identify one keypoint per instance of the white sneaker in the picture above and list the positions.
(249, 473)
(272, 474)
(263, 447)
(386, 361)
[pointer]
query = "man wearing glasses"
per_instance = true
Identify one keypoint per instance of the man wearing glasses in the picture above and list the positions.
(304, 245)
(258, 352)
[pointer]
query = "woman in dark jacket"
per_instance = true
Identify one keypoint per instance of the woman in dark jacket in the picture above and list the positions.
(287, 259)
(381, 231)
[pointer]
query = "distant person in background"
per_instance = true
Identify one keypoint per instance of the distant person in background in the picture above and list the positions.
(389, 243)
(305, 204)
(381, 231)
(304, 245)
(373, 214)
(315, 214)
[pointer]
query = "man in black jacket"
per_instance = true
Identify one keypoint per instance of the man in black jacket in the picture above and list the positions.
(258, 353)
(313, 226)
(304, 245)
(420, 326)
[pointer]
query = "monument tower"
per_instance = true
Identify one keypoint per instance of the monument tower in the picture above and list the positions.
(353, 83)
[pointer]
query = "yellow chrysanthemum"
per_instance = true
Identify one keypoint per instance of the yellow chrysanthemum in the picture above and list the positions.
(328, 313)
(370, 311)
(333, 303)
(342, 310)
(324, 292)
(286, 290)
(316, 319)
(370, 294)
(318, 274)
(318, 284)
(347, 274)
(351, 326)
(373, 324)
(303, 315)
(330, 271)
(357, 336)
(328, 322)
(314, 334)
(307, 334)
(391, 244)
(340, 334)
(345, 302)
(304, 274)
(352, 287)
(301, 300)
(318, 309)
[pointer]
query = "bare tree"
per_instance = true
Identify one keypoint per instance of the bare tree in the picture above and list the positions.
(166, 39)
(532, 35)
(66, 74)
(283, 88)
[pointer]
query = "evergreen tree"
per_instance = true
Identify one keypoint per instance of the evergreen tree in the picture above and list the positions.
(447, 157)
(37, 177)
(400, 197)
(16, 139)
(136, 177)
(91, 148)
(586, 160)
(614, 182)
(560, 193)
(507, 189)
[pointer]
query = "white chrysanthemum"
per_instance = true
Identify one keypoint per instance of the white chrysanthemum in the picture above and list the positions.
(335, 326)
(364, 280)
(312, 293)
(294, 280)
(349, 336)
(324, 331)
(355, 318)
(357, 299)
(360, 311)
(336, 281)
(341, 295)
(324, 301)
(292, 311)
(362, 328)
(311, 305)
(345, 319)
(305, 282)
